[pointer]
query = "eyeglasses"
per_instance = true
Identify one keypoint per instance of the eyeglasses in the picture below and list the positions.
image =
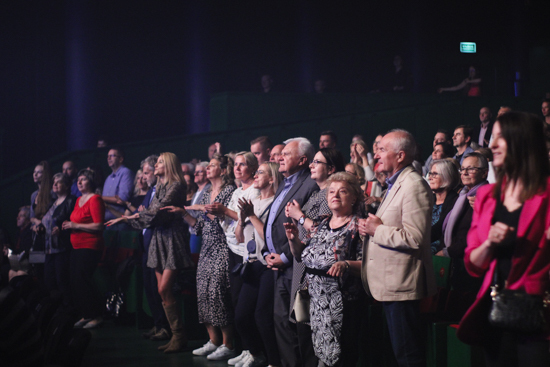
(315, 163)
(470, 169)
(259, 172)
(433, 174)
(112, 155)
(197, 173)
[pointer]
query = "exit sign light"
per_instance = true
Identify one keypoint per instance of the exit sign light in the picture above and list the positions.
(468, 47)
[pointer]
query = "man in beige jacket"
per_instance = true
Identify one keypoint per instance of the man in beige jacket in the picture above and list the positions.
(397, 265)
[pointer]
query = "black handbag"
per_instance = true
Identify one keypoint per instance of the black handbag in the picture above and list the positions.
(517, 311)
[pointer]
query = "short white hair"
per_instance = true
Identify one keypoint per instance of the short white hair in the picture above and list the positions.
(404, 141)
(202, 164)
(304, 147)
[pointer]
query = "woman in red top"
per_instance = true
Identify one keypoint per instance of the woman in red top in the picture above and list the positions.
(508, 237)
(471, 83)
(86, 227)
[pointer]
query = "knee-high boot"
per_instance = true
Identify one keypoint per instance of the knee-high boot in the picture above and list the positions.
(179, 340)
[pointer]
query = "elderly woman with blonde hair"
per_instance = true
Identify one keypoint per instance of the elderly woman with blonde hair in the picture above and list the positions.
(332, 255)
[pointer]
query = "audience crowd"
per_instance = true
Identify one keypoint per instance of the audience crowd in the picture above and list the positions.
(264, 228)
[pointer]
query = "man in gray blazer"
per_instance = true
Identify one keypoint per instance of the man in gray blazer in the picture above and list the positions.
(295, 346)
(397, 265)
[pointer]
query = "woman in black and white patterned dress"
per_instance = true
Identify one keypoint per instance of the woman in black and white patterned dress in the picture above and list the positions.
(332, 256)
(213, 289)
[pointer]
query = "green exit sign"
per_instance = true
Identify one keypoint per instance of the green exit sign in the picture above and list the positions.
(468, 47)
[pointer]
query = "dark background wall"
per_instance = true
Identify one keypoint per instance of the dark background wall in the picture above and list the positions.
(71, 71)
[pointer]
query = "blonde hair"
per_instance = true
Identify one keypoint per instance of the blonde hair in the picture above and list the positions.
(353, 183)
(273, 172)
(226, 164)
(173, 170)
(250, 159)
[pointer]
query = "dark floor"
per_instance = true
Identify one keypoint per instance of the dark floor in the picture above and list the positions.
(114, 345)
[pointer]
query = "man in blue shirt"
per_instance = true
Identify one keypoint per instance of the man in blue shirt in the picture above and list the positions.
(119, 185)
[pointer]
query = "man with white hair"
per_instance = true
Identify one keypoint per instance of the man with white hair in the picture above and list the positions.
(293, 339)
(397, 265)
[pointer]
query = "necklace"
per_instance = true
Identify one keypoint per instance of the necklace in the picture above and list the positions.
(333, 223)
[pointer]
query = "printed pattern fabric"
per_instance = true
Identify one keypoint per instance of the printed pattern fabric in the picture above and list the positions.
(324, 248)
(213, 293)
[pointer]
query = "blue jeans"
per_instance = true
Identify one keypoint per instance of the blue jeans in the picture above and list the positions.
(406, 332)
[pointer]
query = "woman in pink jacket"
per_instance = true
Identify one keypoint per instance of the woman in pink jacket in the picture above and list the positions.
(509, 236)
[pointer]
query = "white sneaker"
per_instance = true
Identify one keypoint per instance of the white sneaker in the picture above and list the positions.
(221, 353)
(206, 349)
(234, 361)
(252, 361)
(243, 361)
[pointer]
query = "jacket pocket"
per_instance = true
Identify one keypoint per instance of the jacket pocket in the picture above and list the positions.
(400, 275)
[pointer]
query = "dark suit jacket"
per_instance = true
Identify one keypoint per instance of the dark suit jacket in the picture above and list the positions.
(301, 191)
(487, 136)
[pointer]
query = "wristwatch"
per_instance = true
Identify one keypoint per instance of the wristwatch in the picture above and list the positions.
(302, 220)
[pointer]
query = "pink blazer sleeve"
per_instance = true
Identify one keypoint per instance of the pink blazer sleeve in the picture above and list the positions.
(479, 230)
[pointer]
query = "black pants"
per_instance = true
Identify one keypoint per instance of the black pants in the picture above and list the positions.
(294, 340)
(235, 280)
(57, 274)
(87, 301)
(254, 313)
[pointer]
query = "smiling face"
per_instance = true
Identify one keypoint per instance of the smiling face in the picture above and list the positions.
(142, 182)
(477, 174)
(37, 174)
(262, 179)
(340, 197)
(498, 146)
(434, 178)
(241, 170)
